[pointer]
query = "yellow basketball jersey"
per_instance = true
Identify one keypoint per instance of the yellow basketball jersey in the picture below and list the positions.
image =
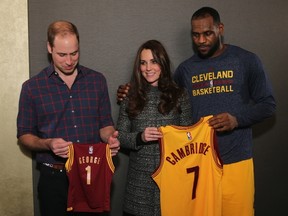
(190, 172)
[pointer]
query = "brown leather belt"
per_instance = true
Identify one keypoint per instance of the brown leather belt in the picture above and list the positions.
(55, 166)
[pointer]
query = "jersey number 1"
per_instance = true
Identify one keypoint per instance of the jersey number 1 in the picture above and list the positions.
(88, 176)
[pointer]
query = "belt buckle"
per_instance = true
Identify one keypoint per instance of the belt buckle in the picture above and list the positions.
(48, 165)
(59, 167)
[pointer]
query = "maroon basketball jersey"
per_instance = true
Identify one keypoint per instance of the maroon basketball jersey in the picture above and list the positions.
(89, 169)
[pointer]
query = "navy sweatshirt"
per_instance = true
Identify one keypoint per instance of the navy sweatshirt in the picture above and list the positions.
(234, 82)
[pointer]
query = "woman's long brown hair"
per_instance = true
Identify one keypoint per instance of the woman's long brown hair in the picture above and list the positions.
(170, 92)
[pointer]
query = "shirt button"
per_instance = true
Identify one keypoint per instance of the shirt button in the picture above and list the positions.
(75, 126)
(70, 96)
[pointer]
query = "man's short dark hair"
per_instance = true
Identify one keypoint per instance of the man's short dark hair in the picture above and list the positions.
(205, 12)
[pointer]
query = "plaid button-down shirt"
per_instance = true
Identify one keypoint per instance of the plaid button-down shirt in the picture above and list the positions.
(49, 109)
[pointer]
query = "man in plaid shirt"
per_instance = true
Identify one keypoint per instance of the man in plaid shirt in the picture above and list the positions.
(65, 103)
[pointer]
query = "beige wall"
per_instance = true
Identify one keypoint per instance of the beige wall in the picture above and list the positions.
(16, 170)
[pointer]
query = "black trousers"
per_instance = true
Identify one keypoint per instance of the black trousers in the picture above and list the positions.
(53, 192)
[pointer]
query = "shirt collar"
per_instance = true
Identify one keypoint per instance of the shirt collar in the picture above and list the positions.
(50, 70)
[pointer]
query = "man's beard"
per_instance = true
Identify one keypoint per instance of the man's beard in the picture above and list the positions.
(210, 53)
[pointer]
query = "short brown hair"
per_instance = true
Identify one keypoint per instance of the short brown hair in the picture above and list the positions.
(61, 27)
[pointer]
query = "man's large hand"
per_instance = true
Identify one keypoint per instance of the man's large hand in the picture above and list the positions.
(223, 122)
(122, 92)
(59, 147)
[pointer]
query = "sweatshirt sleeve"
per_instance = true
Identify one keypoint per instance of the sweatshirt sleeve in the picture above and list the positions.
(262, 102)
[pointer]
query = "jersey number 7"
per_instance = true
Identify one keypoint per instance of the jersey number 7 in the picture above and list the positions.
(194, 170)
